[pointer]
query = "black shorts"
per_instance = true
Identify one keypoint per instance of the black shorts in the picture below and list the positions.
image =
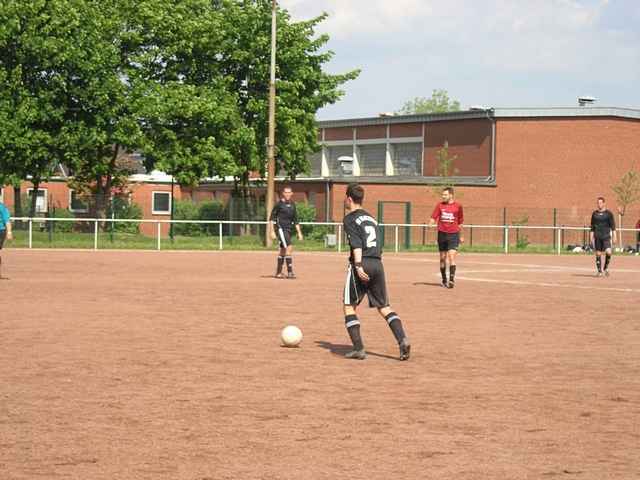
(284, 235)
(3, 236)
(375, 289)
(602, 244)
(448, 241)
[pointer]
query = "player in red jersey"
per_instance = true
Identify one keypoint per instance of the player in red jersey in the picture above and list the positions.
(449, 217)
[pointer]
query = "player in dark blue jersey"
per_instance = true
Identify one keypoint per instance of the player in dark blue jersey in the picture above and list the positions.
(365, 275)
(603, 226)
(283, 218)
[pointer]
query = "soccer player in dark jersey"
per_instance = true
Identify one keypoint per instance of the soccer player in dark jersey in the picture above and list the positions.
(449, 216)
(603, 226)
(283, 218)
(365, 275)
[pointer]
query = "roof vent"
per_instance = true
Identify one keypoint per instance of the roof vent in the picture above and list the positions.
(586, 100)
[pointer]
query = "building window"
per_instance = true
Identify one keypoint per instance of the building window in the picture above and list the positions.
(407, 158)
(77, 203)
(337, 166)
(372, 160)
(41, 199)
(161, 203)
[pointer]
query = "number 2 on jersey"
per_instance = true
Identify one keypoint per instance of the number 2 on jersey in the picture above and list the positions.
(371, 235)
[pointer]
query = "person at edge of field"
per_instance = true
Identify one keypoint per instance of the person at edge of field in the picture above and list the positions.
(449, 216)
(365, 275)
(283, 217)
(603, 227)
(638, 237)
(6, 233)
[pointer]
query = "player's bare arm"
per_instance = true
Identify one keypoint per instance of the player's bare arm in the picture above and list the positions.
(9, 231)
(299, 230)
(357, 260)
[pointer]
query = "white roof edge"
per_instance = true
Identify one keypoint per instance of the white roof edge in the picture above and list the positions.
(567, 112)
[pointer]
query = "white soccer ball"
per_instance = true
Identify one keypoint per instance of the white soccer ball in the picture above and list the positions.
(291, 336)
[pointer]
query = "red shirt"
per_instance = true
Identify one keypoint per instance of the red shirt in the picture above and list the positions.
(449, 217)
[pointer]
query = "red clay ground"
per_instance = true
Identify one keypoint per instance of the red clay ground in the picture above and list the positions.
(167, 365)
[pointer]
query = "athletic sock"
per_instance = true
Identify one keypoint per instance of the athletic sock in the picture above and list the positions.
(289, 261)
(607, 259)
(443, 272)
(452, 273)
(598, 263)
(396, 326)
(353, 327)
(280, 263)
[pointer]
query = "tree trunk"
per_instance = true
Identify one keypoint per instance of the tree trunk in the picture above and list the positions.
(17, 204)
(34, 196)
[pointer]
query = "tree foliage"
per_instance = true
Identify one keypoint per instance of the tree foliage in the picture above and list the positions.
(627, 190)
(439, 102)
(444, 170)
(83, 82)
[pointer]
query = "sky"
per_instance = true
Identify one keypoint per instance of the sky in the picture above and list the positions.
(492, 53)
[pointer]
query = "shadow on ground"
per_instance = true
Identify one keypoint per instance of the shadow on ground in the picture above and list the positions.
(340, 349)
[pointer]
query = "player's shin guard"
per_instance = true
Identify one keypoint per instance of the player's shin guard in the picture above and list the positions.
(598, 263)
(280, 263)
(607, 259)
(396, 326)
(353, 327)
(289, 261)
(452, 273)
(443, 272)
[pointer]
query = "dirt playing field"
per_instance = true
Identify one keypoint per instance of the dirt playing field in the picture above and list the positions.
(167, 365)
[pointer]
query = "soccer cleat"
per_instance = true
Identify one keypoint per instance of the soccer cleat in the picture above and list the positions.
(444, 284)
(451, 284)
(291, 275)
(405, 349)
(279, 275)
(606, 273)
(356, 355)
(599, 274)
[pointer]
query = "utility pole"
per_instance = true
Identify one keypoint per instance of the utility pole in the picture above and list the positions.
(271, 147)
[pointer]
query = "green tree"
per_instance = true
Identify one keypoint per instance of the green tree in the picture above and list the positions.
(38, 54)
(301, 84)
(444, 170)
(439, 102)
(627, 192)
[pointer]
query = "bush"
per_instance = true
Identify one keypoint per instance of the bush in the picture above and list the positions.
(307, 213)
(122, 208)
(210, 210)
(64, 227)
(186, 210)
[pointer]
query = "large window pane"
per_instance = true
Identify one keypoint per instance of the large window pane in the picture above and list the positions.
(335, 169)
(372, 159)
(407, 158)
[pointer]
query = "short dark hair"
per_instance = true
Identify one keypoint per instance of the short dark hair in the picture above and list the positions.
(448, 189)
(356, 192)
(285, 186)
(601, 198)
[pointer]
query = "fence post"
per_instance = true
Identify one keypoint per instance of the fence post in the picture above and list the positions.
(30, 232)
(395, 233)
(158, 233)
(506, 239)
(339, 237)
(220, 236)
(470, 236)
(95, 235)
(558, 230)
